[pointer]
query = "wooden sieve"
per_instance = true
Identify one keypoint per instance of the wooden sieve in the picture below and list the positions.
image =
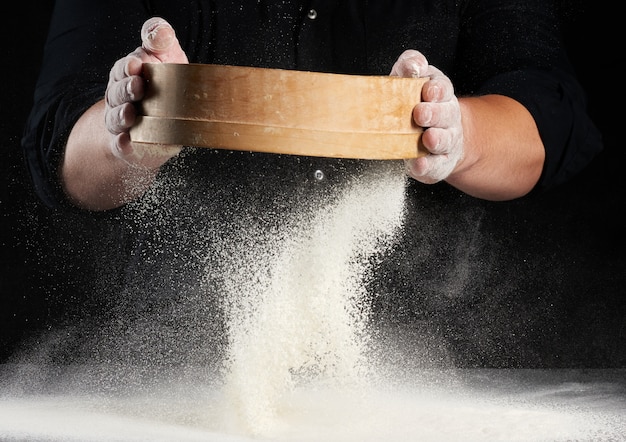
(279, 111)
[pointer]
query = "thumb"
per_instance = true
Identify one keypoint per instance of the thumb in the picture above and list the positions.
(159, 40)
(410, 63)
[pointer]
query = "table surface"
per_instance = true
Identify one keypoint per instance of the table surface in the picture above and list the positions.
(82, 403)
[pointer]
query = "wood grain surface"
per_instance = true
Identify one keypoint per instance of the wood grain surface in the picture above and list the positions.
(279, 111)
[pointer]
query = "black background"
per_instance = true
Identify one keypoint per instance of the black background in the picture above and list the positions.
(568, 310)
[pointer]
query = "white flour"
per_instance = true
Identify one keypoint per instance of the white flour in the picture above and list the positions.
(297, 306)
(587, 411)
(299, 364)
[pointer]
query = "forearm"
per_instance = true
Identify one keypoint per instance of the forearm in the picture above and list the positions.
(92, 177)
(504, 153)
(102, 168)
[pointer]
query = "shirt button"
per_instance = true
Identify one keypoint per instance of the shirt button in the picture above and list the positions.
(312, 14)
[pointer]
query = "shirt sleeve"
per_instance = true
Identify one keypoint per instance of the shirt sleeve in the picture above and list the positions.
(515, 48)
(84, 41)
(558, 105)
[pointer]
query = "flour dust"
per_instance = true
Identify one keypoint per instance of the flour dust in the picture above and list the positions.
(296, 302)
(302, 361)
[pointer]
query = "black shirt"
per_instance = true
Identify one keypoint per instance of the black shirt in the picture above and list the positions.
(508, 47)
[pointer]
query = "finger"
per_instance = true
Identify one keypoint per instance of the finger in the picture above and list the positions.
(120, 118)
(444, 115)
(423, 114)
(123, 91)
(430, 169)
(122, 146)
(410, 63)
(418, 168)
(135, 61)
(145, 156)
(437, 141)
(159, 40)
(119, 69)
(438, 89)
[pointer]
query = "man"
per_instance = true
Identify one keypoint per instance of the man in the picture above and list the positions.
(503, 112)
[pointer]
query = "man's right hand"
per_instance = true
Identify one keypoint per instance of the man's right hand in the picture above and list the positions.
(126, 87)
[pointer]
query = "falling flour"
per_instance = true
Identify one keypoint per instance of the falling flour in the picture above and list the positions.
(297, 307)
(300, 360)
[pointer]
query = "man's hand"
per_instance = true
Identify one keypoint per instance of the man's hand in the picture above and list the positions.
(126, 86)
(439, 114)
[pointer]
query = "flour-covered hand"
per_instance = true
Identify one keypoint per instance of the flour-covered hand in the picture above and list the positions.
(126, 87)
(440, 116)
